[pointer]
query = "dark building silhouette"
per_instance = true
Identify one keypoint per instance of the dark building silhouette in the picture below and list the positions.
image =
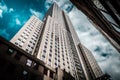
(105, 15)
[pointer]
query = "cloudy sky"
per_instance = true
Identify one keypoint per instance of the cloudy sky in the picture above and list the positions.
(14, 13)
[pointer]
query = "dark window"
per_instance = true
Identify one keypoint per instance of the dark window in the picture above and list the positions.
(55, 53)
(36, 66)
(20, 45)
(50, 60)
(18, 56)
(68, 67)
(51, 43)
(64, 64)
(46, 39)
(45, 46)
(10, 51)
(43, 56)
(51, 74)
(55, 50)
(50, 54)
(59, 66)
(33, 43)
(58, 60)
(28, 45)
(46, 43)
(50, 50)
(45, 71)
(44, 51)
(19, 39)
(58, 55)
(55, 58)
(50, 46)
(30, 41)
(16, 43)
(26, 49)
(32, 47)
(56, 64)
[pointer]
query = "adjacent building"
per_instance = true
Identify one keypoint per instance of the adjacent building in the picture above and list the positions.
(104, 14)
(55, 42)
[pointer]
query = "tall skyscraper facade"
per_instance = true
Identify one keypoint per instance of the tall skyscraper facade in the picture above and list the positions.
(55, 42)
(104, 14)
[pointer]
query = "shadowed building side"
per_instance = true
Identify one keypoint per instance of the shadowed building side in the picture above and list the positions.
(104, 14)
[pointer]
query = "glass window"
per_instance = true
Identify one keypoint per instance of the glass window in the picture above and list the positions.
(16, 43)
(50, 54)
(109, 18)
(49, 60)
(29, 62)
(44, 51)
(43, 56)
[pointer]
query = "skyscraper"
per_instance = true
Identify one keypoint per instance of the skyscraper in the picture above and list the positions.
(104, 14)
(55, 42)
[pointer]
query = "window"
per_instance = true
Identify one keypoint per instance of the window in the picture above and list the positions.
(29, 62)
(51, 43)
(33, 43)
(32, 47)
(50, 46)
(18, 56)
(19, 39)
(30, 41)
(26, 49)
(43, 56)
(55, 64)
(55, 58)
(45, 46)
(68, 67)
(58, 60)
(49, 60)
(50, 54)
(50, 50)
(28, 45)
(46, 43)
(20, 45)
(16, 43)
(45, 71)
(25, 72)
(56, 54)
(51, 74)
(44, 51)
(10, 51)
(59, 66)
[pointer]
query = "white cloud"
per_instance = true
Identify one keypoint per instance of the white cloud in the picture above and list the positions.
(3, 8)
(17, 21)
(36, 13)
(47, 2)
(11, 10)
(1, 13)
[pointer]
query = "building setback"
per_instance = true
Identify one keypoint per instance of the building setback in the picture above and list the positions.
(55, 42)
(105, 15)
